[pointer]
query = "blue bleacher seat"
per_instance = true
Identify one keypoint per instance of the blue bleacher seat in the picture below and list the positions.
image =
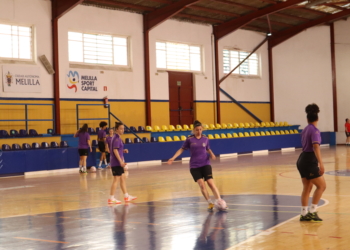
(63, 144)
(141, 129)
(44, 145)
(91, 131)
(154, 139)
(6, 147)
(97, 129)
(35, 145)
(26, 146)
(23, 133)
(54, 144)
(145, 139)
(50, 131)
(133, 129)
(137, 140)
(128, 141)
(94, 143)
(32, 132)
(13, 133)
(16, 146)
(126, 130)
(4, 134)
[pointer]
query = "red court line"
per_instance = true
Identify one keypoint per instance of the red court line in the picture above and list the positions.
(335, 237)
(52, 241)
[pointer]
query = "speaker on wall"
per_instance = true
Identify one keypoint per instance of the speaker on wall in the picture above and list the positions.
(47, 64)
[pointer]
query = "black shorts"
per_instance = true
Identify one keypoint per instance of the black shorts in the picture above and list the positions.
(204, 172)
(347, 134)
(117, 170)
(308, 165)
(83, 152)
(102, 146)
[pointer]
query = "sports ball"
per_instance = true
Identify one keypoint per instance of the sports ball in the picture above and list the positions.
(92, 169)
(221, 205)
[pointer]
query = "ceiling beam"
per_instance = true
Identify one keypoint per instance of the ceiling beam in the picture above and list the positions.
(125, 5)
(232, 25)
(59, 8)
(288, 33)
(200, 18)
(211, 10)
(158, 16)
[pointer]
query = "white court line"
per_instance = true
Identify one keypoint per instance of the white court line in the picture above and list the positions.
(9, 188)
(270, 230)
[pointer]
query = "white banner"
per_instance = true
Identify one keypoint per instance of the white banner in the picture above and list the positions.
(82, 81)
(21, 79)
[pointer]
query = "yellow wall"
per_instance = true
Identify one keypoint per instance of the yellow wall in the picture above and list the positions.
(131, 113)
(160, 113)
(231, 112)
(205, 112)
(14, 112)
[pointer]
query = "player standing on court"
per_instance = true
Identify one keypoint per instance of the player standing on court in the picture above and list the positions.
(101, 138)
(83, 147)
(108, 142)
(310, 166)
(347, 131)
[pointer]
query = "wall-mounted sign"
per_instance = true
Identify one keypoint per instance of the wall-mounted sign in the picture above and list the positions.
(21, 79)
(82, 81)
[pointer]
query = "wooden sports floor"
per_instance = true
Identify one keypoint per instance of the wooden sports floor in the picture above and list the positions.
(70, 210)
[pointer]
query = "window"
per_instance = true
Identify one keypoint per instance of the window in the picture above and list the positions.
(16, 42)
(233, 57)
(178, 56)
(98, 49)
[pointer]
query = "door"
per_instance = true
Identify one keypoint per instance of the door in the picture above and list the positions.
(180, 98)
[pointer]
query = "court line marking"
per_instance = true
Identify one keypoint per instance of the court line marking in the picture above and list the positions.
(51, 241)
(18, 187)
(270, 230)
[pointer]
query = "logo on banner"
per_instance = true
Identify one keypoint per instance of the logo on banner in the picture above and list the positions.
(9, 79)
(88, 83)
(73, 77)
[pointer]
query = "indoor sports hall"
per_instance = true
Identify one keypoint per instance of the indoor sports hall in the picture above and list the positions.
(174, 124)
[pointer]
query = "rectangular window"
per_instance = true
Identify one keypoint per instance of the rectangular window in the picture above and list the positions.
(98, 49)
(16, 42)
(178, 56)
(232, 58)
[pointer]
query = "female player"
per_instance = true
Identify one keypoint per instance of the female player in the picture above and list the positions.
(347, 131)
(83, 147)
(310, 166)
(199, 163)
(101, 138)
(117, 150)
(108, 141)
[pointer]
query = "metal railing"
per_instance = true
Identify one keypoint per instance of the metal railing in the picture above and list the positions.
(26, 117)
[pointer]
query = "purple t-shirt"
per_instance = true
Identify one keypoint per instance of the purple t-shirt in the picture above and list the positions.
(198, 150)
(101, 134)
(83, 140)
(310, 135)
(108, 140)
(116, 143)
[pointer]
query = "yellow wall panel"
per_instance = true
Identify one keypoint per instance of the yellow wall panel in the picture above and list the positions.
(231, 112)
(17, 112)
(205, 112)
(160, 113)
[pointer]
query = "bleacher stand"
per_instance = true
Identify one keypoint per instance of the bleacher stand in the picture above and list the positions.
(6, 147)
(64, 144)
(35, 145)
(44, 145)
(54, 144)
(26, 146)
(16, 146)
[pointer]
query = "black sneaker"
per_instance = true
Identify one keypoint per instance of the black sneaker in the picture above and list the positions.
(314, 217)
(306, 217)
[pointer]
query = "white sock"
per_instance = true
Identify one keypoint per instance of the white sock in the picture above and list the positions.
(105, 162)
(313, 208)
(100, 164)
(80, 166)
(111, 197)
(304, 210)
(126, 195)
(209, 201)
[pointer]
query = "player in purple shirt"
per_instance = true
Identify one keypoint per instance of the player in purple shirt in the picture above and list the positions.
(108, 141)
(116, 147)
(310, 166)
(200, 168)
(83, 147)
(101, 138)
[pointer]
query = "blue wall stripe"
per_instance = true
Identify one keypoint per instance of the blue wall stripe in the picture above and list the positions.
(25, 99)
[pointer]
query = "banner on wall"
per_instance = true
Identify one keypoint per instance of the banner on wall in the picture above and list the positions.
(21, 79)
(82, 81)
